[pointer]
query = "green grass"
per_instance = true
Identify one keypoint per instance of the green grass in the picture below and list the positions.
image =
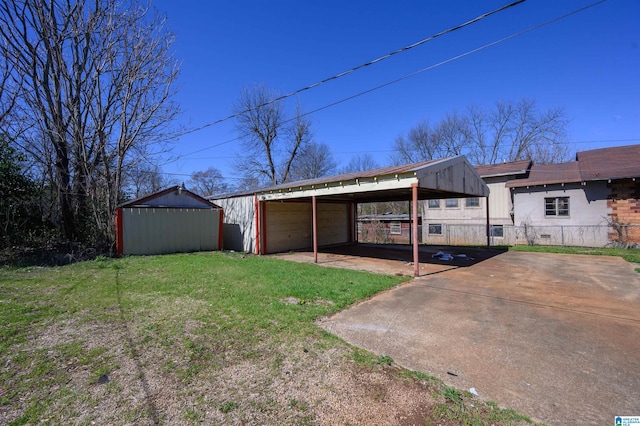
(186, 321)
(631, 255)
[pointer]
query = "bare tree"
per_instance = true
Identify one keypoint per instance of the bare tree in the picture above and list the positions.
(270, 141)
(96, 85)
(510, 131)
(359, 163)
(208, 182)
(314, 160)
(142, 179)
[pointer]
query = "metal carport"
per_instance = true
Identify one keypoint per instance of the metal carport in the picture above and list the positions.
(444, 178)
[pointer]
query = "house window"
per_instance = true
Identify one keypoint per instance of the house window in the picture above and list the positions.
(556, 206)
(435, 229)
(497, 231)
(451, 203)
(472, 202)
(395, 228)
(434, 204)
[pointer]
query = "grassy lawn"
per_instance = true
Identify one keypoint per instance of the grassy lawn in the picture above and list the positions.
(213, 338)
(630, 255)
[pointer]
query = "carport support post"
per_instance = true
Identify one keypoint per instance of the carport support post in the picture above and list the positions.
(414, 211)
(314, 210)
(488, 224)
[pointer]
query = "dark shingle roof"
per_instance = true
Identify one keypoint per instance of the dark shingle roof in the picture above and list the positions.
(610, 163)
(504, 169)
(549, 173)
(597, 164)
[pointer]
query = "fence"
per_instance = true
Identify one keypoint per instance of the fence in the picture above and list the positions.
(470, 234)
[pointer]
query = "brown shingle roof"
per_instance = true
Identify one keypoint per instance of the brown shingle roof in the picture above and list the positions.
(504, 169)
(549, 173)
(610, 163)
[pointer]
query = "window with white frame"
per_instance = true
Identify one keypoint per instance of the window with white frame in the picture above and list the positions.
(472, 202)
(497, 231)
(395, 228)
(451, 203)
(434, 204)
(435, 229)
(556, 207)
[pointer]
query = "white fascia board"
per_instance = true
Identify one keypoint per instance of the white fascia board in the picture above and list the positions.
(352, 186)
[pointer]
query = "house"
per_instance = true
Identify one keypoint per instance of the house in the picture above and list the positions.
(173, 220)
(460, 221)
(592, 201)
(386, 228)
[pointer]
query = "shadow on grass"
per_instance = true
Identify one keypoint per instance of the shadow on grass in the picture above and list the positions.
(152, 410)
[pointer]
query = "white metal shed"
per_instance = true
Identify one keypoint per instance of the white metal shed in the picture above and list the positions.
(173, 220)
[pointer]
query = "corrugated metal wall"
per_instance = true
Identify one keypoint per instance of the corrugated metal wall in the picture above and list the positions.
(239, 223)
(170, 230)
(289, 225)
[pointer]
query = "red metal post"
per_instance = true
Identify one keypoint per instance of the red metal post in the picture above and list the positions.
(256, 208)
(414, 207)
(488, 224)
(119, 233)
(314, 210)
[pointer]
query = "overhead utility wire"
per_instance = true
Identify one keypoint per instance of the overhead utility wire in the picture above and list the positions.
(446, 61)
(413, 74)
(366, 64)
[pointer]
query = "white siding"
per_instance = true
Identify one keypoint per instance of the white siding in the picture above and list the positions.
(239, 223)
(587, 204)
(333, 223)
(150, 230)
(288, 226)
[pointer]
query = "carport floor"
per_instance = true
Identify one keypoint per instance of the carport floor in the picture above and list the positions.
(556, 337)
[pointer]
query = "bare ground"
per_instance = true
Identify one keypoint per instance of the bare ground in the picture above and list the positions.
(302, 384)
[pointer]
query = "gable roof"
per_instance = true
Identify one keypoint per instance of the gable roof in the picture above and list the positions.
(442, 178)
(504, 169)
(597, 164)
(175, 196)
(610, 163)
(545, 174)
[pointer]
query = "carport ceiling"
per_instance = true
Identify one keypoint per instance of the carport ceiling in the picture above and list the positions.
(445, 178)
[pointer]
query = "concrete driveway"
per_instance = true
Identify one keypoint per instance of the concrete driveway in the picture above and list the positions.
(556, 337)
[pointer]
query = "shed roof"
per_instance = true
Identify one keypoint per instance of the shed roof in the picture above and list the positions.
(175, 196)
(444, 178)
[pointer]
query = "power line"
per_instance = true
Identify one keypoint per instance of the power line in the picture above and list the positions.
(366, 64)
(389, 83)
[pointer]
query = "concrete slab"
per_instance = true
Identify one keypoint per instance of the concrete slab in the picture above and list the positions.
(556, 337)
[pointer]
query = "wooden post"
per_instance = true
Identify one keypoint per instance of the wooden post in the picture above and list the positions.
(414, 204)
(314, 210)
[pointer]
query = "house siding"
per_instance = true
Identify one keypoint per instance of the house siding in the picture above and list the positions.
(587, 204)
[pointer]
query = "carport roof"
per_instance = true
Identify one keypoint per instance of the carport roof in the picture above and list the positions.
(444, 178)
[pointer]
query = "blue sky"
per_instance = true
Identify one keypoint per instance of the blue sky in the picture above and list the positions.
(588, 63)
